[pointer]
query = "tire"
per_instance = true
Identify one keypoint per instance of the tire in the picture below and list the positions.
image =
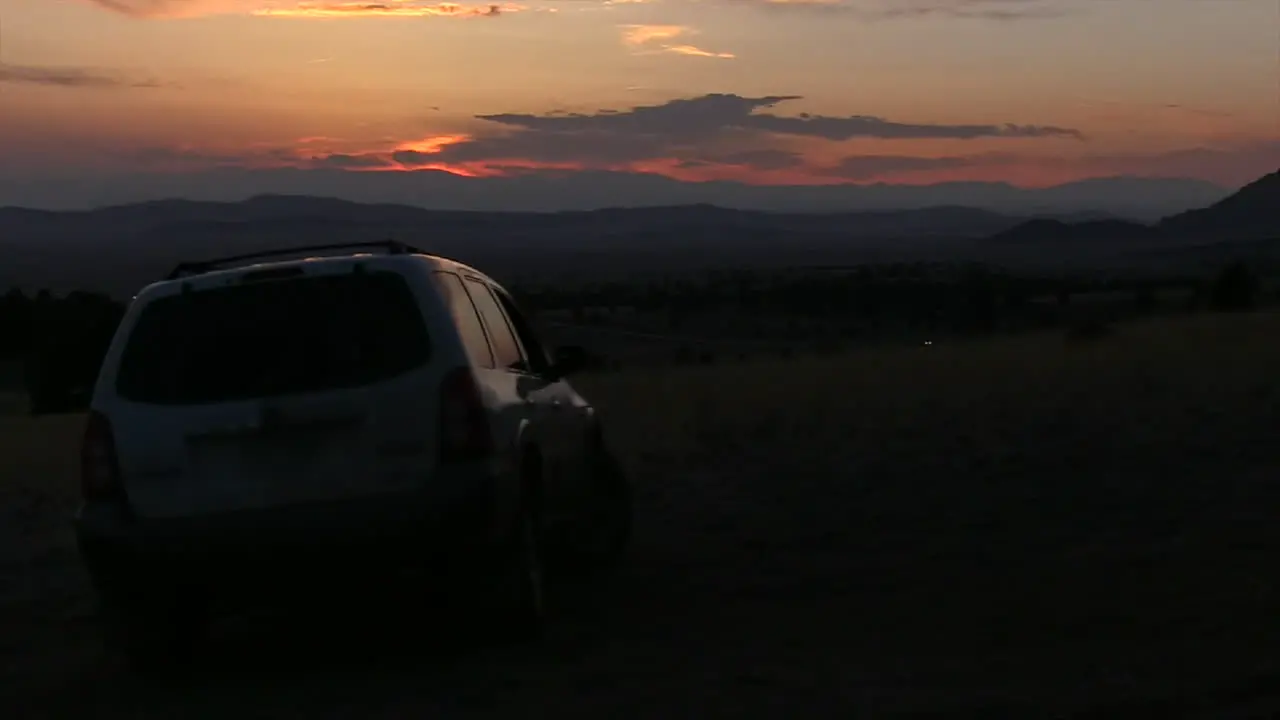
(515, 607)
(604, 532)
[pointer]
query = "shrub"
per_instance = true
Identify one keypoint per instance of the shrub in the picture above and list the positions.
(1088, 330)
(1235, 289)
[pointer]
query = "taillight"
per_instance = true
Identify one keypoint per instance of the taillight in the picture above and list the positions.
(99, 468)
(464, 423)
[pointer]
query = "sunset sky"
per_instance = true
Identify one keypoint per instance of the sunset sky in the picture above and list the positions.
(1032, 92)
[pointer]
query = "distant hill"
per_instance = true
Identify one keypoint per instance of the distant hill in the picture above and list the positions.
(185, 227)
(301, 210)
(122, 247)
(1092, 231)
(140, 241)
(1146, 199)
(1252, 213)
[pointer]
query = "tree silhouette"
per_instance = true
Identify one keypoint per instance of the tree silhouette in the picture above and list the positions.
(1234, 290)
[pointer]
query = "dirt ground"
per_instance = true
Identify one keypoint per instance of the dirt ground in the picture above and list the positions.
(973, 533)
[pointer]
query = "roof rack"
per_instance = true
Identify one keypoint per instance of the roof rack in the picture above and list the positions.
(184, 269)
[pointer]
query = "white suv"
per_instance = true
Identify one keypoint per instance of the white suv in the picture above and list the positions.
(338, 419)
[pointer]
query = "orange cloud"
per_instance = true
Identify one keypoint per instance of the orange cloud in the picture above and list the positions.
(653, 38)
(432, 144)
(1228, 165)
(416, 155)
(724, 136)
(637, 35)
(697, 52)
(716, 136)
(450, 153)
(171, 9)
(392, 8)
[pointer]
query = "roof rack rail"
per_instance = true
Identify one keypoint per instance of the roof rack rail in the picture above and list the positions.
(184, 269)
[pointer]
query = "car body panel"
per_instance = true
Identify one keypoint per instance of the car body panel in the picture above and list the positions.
(339, 463)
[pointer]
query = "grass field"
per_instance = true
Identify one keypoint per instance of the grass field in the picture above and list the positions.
(1011, 523)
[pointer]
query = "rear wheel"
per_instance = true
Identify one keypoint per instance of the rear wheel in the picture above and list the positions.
(156, 634)
(521, 597)
(603, 532)
(512, 594)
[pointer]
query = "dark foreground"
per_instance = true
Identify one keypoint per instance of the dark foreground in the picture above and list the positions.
(1020, 529)
(750, 599)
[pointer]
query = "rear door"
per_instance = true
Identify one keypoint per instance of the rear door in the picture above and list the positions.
(570, 412)
(534, 392)
(276, 390)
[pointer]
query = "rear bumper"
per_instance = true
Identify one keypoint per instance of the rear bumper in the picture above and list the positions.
(336, 543)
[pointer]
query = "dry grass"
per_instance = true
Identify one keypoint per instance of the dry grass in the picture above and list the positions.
(1086, 510)
(37, 480)
(1025, 518)
(1187, 383)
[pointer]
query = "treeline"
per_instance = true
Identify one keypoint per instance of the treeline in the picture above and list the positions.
(43, 320)
(938, 298)
(52, 338)
(963, 299)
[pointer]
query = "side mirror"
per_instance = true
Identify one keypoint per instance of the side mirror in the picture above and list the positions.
(568, 360)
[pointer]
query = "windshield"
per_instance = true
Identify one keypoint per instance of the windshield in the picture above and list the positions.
(273, 338)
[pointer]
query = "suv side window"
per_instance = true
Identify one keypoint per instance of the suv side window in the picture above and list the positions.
(466, 317)
(506, 349)
(539, 362)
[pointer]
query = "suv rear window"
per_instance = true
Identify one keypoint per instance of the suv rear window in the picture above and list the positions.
(273, 338)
